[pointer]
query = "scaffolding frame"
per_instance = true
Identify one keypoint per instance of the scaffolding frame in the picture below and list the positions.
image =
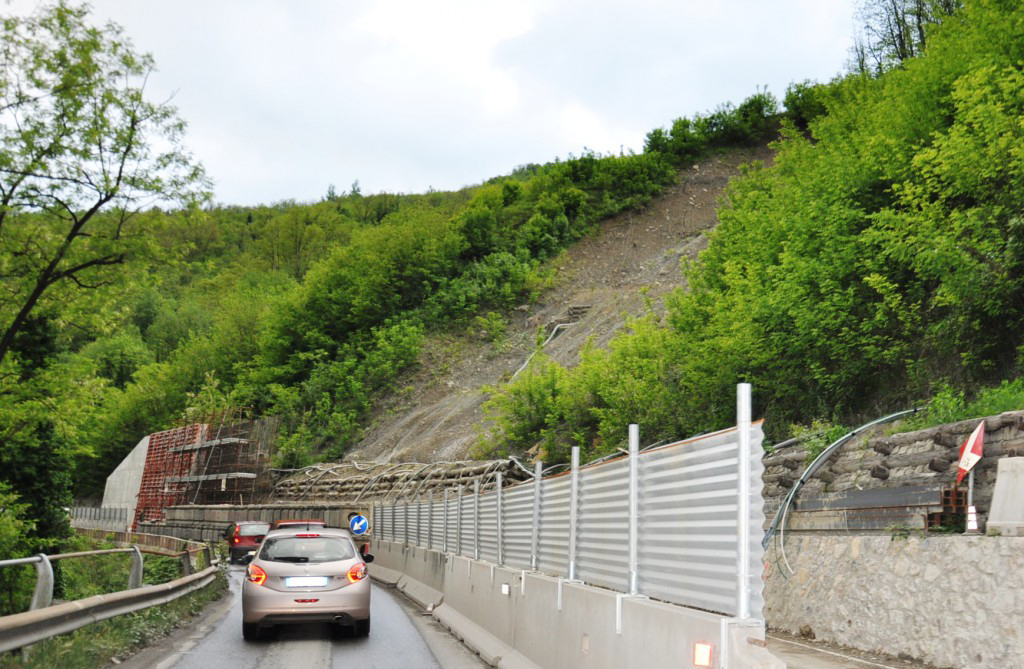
(221, 458)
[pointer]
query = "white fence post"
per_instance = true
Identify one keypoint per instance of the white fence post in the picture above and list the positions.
(444, 524)
(535, 541)
(501, 554)
(574, 509)
(430, 520)
(634, 512)
(476, 519)
(743, 414)
(458, 521)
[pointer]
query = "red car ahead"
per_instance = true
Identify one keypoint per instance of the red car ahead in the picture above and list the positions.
(243, 537)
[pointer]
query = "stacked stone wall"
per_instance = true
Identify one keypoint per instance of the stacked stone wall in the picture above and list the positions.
(879, 461)
(951, 600)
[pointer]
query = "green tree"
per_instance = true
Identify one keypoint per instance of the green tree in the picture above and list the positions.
(81, 151)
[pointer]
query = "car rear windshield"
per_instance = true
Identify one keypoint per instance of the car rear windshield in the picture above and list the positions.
(307, 549)
(253, 530)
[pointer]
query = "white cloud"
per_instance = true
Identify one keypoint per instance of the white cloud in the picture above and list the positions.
(284, 98)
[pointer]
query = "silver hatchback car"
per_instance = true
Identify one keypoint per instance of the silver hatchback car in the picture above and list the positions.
(300, 576)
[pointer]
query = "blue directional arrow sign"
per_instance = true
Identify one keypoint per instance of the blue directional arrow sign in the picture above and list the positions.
(358, 524)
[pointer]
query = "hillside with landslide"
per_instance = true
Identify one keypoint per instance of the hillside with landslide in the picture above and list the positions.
(618, 272)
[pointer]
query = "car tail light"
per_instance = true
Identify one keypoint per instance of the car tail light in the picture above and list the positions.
(256, 575)
(237, 530)
(701, 654)
(356, 573)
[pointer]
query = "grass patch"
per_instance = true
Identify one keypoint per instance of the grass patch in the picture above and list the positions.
(951, 406)
(95, 645)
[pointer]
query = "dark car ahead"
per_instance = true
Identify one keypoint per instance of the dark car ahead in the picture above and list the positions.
(243, 537)
(302, 576)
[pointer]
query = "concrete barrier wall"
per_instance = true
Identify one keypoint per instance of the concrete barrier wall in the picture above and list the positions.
(522, 620)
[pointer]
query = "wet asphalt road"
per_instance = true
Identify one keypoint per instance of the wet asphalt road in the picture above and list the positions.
(396, 641)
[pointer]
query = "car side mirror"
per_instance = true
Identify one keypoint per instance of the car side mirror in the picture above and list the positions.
(367, 558)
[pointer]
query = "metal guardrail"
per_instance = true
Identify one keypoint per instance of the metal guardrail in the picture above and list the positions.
(44, 620)
(23, 629)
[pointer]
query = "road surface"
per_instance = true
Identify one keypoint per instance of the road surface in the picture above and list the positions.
(401, 638)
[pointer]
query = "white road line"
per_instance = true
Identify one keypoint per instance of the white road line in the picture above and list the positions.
(829, 652)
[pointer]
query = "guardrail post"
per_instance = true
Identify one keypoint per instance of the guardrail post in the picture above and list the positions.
(476, 519)
(634, 507)
(501, 552)
(535, 543)
(458, 521)
(43, 594)
(186, 564)
(135, 575)
(444, 524)
(574, 509)
(743, 418)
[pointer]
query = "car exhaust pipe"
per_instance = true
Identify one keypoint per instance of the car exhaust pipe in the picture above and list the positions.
(339, 619)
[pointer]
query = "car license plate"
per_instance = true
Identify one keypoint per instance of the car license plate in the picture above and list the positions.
(305, 581)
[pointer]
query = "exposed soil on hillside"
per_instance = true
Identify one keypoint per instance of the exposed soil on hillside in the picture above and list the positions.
(632, 260)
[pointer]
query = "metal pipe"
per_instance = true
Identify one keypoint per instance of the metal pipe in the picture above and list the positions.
(634, 507)
(501, 554)
(743, 414)
(476, 519)
(430, 520)
(444, 524)
(538, 468)
(574, 505)
(458, 521)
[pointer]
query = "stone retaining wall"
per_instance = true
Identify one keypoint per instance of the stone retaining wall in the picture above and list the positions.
(952, 600)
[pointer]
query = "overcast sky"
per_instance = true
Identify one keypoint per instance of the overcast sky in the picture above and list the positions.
(284, 97)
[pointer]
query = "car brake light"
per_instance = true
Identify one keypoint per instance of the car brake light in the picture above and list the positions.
(306, 536)
(236, 540)
(256, 575)
(357, 573)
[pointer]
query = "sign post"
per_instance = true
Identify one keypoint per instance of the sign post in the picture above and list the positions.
(970, 455)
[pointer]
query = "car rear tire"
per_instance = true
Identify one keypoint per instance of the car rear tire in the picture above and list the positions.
(363, 627)
(251, 632)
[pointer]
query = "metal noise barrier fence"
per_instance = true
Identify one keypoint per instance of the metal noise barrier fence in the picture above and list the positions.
(680, 523)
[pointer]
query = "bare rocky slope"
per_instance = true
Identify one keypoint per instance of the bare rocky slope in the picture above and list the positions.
(435, 413)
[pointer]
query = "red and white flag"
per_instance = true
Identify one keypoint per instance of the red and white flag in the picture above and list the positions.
(970, 451)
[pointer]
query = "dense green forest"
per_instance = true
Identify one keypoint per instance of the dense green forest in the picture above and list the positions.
(879, 259)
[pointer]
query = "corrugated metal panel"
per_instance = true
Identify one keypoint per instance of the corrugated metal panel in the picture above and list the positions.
(688, 545)
(554, 526)
(467, 532)
(603, 526)
(489, 527)
(688, 549)
(518, 525)
(436, 534)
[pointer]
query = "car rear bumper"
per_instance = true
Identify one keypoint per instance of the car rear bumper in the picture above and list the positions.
(345, 605)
